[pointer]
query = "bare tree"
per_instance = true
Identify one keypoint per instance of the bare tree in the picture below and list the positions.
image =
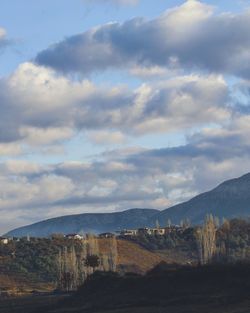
(206, 238)
(169, 223)
(113, 254)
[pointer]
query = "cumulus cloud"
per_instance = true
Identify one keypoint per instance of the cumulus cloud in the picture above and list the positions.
(38, 107)
(156, 178)
(190, 36)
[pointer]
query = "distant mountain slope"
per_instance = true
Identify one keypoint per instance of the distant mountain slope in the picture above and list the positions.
(230, 199)
(94, 223)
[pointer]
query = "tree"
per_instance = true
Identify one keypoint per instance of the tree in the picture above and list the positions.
(169, 223)
(157, 224)
(206, 237)
(57, 236)
(113, 254)
(92, 261)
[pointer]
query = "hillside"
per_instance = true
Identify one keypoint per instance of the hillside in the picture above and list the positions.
(34, 266)
(133, 257)
(88, 223)
(230, 199)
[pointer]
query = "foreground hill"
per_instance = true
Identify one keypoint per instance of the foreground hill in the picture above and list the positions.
(88, 223)
(167, 289)
(209, 289)
(230, 199)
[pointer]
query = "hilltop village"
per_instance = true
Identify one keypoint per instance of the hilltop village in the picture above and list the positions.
(126, 233)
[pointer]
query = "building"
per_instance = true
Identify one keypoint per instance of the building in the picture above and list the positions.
(145, 231)
(4, 240)
(152, 231)
(74, 236)
(106, 235)
(129, 232)
(158, 231)
(174, 229)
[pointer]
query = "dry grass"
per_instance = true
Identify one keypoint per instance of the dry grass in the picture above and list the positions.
(132, 257)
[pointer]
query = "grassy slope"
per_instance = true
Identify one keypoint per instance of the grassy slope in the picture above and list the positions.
(131, 258)
(135, 258)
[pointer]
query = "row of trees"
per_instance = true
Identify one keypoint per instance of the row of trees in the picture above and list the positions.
(228, 242)
(75, 264)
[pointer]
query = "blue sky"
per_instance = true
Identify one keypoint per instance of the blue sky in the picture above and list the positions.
(141, 101)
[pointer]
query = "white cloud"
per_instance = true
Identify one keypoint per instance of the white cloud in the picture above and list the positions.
(190, 37)
(10, 149)
(38, 107)
(107, 137)
(41, 136)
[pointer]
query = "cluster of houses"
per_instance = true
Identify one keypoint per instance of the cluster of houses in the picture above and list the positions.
(7, 240)
(158, 231)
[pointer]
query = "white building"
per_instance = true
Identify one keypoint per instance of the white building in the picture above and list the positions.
(74, 236)
(4, 241)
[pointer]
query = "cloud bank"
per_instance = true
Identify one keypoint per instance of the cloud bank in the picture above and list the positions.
(125, 178)
(40, 108)
(190, 37)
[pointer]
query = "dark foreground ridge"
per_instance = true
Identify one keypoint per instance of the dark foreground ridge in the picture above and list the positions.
(165, 289)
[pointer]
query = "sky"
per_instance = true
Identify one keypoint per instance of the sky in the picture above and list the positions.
(107, 105)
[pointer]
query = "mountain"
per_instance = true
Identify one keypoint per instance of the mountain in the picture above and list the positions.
(92, 223)
(230, 199)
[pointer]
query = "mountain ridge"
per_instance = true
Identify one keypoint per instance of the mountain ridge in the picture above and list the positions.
(229, 199)
(78, 222)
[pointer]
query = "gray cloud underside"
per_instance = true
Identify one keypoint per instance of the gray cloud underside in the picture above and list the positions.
(189, 36)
